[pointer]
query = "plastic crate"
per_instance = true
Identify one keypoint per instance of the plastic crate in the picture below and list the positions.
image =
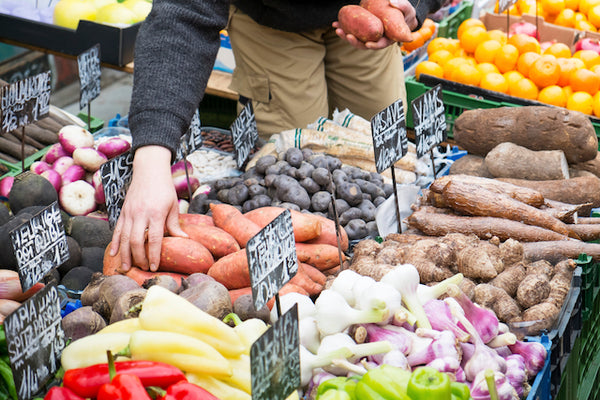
(540, 388)
(95, 124)
(590, 284)
(448, 27)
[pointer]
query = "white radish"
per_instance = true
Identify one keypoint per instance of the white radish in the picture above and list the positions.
(37, 167)
(89, 158)
(77, 198)
(54, 178)
(55, 152)
(73, 173)
(62, 164)
(113, 147)
(72, 137)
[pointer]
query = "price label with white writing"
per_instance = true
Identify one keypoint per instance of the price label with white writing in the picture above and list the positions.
(25, 101)
(504, 5)
(116, 176)
(192, 140)
(275, 359)
(35, 341)
(40, 245)
(389, 135)
(272, 259)
(88, 64)
(244, 134)
(429, 116)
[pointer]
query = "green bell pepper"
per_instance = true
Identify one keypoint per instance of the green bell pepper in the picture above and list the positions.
(460, 391)
(340, 388)
(427, 383)
(383, 383)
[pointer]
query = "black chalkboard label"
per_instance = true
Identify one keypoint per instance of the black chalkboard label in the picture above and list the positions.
(88, 64)
(275, 359)
(244, 134)
(192, 139)
(25, 101)
(429, 118)
(504, 5)
(116, 176)
(35, 340)
(272, 259)
(389, 135)
(40, 244)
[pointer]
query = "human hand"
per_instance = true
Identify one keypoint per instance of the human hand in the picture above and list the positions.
(410, 14)
(150, 206)
(382, 43)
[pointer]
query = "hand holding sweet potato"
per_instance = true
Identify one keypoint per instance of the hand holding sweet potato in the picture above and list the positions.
(394, 24)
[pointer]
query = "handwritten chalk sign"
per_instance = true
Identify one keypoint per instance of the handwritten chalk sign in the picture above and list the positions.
(504, 5)
(244, 134)
(389, 135)
(25, 101)
(88, 64)
(275, 359)
(35, 341)
(272, 259)
(429, 117)
(40, 244)
(192, 139)
(116, 176)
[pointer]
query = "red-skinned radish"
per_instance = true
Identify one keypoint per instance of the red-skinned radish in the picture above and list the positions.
(73, 173)
(55, 152)
(113, 147)
(89, 158)
(72, 137)
(181, 185)
(53, 177)
(5, 185)
(62, 164)
(179, 167)
(78, 198)
(37, 167)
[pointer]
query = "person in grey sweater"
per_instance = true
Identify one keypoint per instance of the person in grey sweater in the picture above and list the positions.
(176, 48)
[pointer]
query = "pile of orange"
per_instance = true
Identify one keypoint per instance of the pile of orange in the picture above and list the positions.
(420, 36)
(583, 15)
(517, 66)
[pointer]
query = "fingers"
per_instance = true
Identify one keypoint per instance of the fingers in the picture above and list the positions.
(155, 235)
(137, 243)
(172, 222)
(125, 250)
(410, 14)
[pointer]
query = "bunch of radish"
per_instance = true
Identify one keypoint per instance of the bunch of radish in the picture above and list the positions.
(73, 167)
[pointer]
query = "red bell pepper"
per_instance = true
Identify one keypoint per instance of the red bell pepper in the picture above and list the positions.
(123, 387)
(61, 393)
(87, 381)
(187, 391)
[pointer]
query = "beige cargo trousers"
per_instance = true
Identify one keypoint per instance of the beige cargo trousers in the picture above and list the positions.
(295, 78)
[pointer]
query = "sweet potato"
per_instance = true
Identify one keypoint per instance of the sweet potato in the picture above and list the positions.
(394, 26)
(196, 219)
(303, 280)
(361, 23)
(232, 270)
(509, 160)
(215, 239)
(321, 256)
(306, 226)
(231, 220)
(479, 131)
(313, 273)
(328, 234)
(184, 255)
(234, 294)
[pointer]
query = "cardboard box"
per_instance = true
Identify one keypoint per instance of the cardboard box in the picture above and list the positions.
(116, 44)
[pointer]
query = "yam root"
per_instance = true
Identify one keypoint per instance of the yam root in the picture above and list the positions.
(509, 279)
(545, 250)
(483, 227)
(476, 263)
(470, 164)
(560, 284)
(473, 200)
(509, 160)
(505, 307)
(467, 286)
(592, 166)
(511, 252)
(479, 131)
(586, 232)
(533, 290)
(567, 213)
(542, 268)
(432, 259)
(538, 317)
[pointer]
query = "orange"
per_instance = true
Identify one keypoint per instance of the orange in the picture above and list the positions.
(524, 43)
(572, 4)
(565, 18)
(440, 57)
(471, 37)
(584, 80)
(512, 77)
(429, 25)
(525, 61)
(485, 68)
(594, 16)
(580, 17)
(497, 34)
(553, 95)
(568, 65)
(586, 5)
(596, 105)
(553, 7)
(486, 51)
(438, 43)
(460, 53)
(589, 57)
(506, 58)
(558, 50)
(596, 69)
(453, 45)
(524, 88)
(545, 71)
(418, 40)
(452, 64)
(530, 8)
(466, 74)
(582, 102)
(568, 91)
(585, 25)
(469, 22)
(494, 81)
(429, 68)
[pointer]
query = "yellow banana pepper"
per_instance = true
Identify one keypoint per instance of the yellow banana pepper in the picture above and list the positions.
(164, 310)
(241, 377)
(217, 387)
(248, 330)
(129, 325)
(92, 349)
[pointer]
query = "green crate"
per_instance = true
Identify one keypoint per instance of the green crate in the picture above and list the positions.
(95, 123)
(569, 381)
(590, 283)
(448, 27)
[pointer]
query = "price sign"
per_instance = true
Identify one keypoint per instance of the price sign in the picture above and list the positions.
(192, 140)
(429, 117)
(116, 176)
(504, 5)
(272, 259)
(244, 134)
(389, 136)
(275, 359)
(88, 64)
(25, 101)
(39, 244)
(35, 340)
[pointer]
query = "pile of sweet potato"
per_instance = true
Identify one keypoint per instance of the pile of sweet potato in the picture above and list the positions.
(216, 246)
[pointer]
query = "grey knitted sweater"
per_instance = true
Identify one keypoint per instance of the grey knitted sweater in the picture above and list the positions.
(176, 49)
